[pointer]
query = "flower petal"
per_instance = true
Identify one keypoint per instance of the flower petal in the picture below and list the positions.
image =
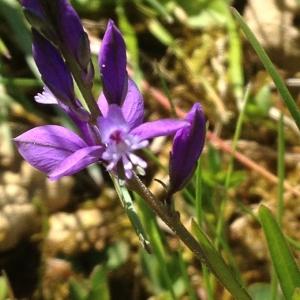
(53, 69)
(114, 121)
(116, 115)
(59, 22)
(112, 64)
(72, 34)
(76, 162)
(133, 106)
(33, 6)
(46, 97)
(103, 104)
(187, 147)
(157, 128)
(79, 115)
(35, 15)
(46, 146)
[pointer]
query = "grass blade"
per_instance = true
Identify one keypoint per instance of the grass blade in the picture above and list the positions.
(284, 263)
(220, 268)
(286, 96)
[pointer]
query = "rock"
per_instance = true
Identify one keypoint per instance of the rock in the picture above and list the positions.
(55, 195)
(57, 273)
(274, 23)
(72, 233)
(17, 222)
(12, 194)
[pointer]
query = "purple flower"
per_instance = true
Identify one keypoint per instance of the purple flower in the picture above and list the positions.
(54, 72)
(116, 136)
(56, 150)
(56, 76)
(115, 132)
(122, 135)
(59, 151)
(187, 147)
(60, 24)
(35, 15)
(112, 63)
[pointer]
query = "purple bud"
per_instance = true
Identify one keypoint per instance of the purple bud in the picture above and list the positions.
(112, 64)
(36, 17)
(88, 75)
(187, 147)
(54, 72)
(84, 51)
(72, 34)
(59, 22)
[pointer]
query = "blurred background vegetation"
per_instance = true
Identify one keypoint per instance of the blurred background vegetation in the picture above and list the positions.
(71, 239)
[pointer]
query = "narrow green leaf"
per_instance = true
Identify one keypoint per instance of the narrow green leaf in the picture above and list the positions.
(131, 41)
(235, 56)
(293, 243)
(282, 89)
(3, 49)
(99, 285)
(296, 294)
(161, 10)
(3, 288)
(132, 214)
(157, 243)
(117, 253)
(259, 291)
(185, 276)
(220, 268)
(284, 263)
(280, 169)
(162, 34)
(12, 12)
(77, 291)
(151, 270)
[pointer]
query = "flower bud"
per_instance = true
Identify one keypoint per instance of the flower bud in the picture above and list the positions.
(54, 72)
(187, 147)
(112, 64)
(59, 23)
(84, 51)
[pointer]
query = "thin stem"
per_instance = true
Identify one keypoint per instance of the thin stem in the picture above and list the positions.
(199, 192)
(185, 276)
(280, 169)
(85, 91)
(206, 275)
(172, 219)
(157, 243)
(220, 224)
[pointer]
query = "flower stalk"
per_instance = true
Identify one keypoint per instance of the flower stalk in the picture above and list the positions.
(172, 219)
(85, 91)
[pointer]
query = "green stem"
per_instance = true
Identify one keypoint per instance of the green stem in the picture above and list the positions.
(220, 224)
(206, 276)
(172, 219)
(280, 169)
(86, 92)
